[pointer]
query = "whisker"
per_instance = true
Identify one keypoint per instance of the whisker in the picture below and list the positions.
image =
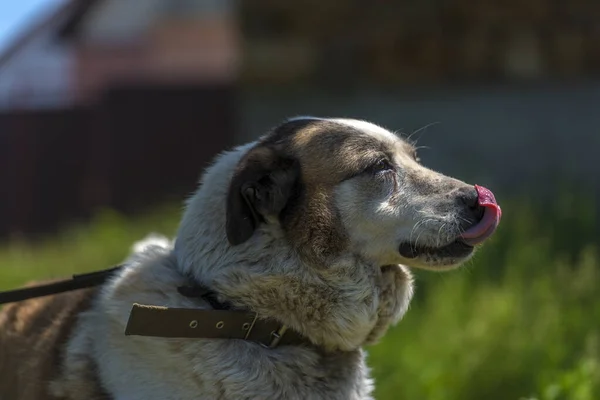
(418, 236)
(398, 132)
(439, 238)
(420, 233)
(414, 228)
(458, 225)
(412, 231)
(417, 148)
(420, 130)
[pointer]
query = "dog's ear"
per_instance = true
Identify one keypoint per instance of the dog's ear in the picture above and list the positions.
(260, 188)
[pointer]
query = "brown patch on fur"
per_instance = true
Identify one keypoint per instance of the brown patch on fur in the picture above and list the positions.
(33, 336)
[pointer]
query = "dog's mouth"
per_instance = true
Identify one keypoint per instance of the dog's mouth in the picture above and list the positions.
(464, 245)
(456, 250)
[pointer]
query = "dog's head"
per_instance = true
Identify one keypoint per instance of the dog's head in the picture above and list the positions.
(321, 216)
(334, 185)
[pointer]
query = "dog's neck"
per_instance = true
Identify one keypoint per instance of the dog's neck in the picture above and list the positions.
(332, 320)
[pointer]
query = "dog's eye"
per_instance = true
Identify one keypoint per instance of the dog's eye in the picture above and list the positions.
(380, 166)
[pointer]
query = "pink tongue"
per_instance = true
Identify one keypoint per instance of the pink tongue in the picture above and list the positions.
(488, 224)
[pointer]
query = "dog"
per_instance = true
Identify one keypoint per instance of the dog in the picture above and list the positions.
(314, 226)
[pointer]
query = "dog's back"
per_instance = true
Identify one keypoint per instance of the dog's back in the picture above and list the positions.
(33, 334)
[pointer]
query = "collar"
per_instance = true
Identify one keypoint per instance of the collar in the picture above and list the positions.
(222, 322)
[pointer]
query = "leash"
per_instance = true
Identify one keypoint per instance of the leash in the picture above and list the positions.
(79, 281)
(222, 322)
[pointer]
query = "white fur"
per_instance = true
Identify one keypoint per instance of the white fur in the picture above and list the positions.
(368, 127)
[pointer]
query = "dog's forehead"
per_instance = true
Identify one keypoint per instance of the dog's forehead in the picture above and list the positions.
(362, 126)
(368, 128)
(307, 132)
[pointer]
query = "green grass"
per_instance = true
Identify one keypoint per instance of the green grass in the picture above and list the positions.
(522, 321)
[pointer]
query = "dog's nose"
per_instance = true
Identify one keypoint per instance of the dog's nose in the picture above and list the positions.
(468, 199)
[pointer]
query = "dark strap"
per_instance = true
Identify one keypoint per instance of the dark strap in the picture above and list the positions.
(194, 323)
(144, 320)
(80, 281)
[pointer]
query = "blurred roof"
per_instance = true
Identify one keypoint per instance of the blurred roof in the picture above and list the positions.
(65, 19)
(76, 15)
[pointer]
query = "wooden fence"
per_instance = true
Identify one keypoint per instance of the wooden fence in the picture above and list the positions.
(137, 147)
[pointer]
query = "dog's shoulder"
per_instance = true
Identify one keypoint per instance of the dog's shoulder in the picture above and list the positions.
(33, 336)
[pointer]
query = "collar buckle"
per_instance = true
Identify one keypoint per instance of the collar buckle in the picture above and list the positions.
(251, 326)
(276, 337)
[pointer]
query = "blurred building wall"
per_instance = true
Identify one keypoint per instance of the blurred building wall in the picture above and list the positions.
(158, 41)
(383, 43)
(145, 99)
(511, 87)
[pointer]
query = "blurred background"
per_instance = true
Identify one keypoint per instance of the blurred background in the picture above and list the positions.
(110, 109)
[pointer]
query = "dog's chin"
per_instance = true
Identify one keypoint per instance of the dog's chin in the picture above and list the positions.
(446, 257)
